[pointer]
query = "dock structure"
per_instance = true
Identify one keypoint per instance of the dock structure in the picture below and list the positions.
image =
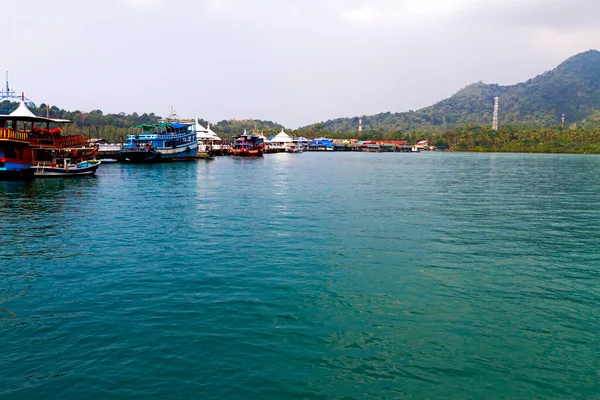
(112, 151)
(374, 146)
(109, 150)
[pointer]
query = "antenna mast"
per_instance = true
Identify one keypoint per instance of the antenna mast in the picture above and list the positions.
(10, 95)
(6, 94)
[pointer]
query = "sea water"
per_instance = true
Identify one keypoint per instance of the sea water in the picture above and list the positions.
(305, 276)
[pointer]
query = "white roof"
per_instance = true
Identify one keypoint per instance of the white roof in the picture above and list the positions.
(281, 137)
(205, 133)
(23, 113)
(214, 135)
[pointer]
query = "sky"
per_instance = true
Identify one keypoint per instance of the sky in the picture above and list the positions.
(295, 62)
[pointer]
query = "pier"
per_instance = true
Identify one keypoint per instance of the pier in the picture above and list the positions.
(111, 151)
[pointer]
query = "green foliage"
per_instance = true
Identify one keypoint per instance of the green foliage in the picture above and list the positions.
(510, 138)
(113, 127)
(591, 122)
(230, 128)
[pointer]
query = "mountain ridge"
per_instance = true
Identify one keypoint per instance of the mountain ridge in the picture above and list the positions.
(572, 88)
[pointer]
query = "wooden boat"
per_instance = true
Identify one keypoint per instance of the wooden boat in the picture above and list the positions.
(15, 156)
(62, 168)
(28, 141)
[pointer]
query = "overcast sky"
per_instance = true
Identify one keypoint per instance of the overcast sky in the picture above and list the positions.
(295, 62)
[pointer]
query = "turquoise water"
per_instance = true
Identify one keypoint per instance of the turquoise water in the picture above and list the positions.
(305, 276)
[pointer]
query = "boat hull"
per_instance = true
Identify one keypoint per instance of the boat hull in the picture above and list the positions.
(245, 153)
(140, 156)
(16, 174)
(186, 153)
(64, 172)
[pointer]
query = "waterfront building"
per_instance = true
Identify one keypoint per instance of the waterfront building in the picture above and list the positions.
(321, 144)
(280, 142)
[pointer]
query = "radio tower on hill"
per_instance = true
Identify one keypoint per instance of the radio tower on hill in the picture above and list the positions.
(495, 119)
(360, 125)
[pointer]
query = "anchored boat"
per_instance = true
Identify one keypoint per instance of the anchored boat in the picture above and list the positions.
(27, 139)
(160, 142)
(65, 168)
(247, 145)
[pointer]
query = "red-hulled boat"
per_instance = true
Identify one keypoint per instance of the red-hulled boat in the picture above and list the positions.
(247, 145)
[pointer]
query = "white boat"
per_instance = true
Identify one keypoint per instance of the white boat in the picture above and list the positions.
(61, 168)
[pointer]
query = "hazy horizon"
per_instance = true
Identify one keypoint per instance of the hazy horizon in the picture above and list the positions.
(289, 61)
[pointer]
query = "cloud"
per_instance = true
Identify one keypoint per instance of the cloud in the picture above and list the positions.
(265, 8)
(414, 12)
(554, 42)
(367, 15)
(405, 12)
(144, 3)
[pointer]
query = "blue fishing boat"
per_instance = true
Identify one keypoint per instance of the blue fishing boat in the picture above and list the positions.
(160, 142)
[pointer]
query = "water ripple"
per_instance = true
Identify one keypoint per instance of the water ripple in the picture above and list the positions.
(310, 276)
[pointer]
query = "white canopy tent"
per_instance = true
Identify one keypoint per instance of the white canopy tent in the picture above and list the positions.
(22, 113)
(205, 133)
(281, 138)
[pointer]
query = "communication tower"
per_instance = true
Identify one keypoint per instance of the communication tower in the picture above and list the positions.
(495, 119)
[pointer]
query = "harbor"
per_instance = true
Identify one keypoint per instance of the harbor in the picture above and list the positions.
(114, 151)
(36, 146)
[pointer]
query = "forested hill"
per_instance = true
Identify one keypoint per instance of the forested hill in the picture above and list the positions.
(572, 88)
(234, 127)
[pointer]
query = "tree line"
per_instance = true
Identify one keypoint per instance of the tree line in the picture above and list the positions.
(581, 138)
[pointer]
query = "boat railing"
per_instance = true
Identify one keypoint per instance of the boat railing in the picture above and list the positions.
(110, 147)
(155, 130)
(59, 141)
(74, 140)
(7, 133)
(44, 164)
(136, 147)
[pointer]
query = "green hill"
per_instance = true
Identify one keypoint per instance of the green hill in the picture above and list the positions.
(232, 127)
(572, 88)
(591, 122)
